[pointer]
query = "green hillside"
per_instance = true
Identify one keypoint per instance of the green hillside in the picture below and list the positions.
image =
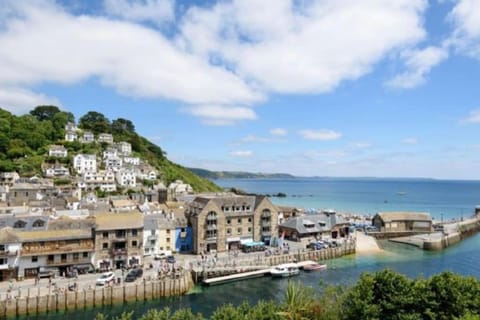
(25, 141)
(239, 174)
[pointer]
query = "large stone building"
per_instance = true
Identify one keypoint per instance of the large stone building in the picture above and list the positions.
(223, 222)
(403, 222)
(118, 240)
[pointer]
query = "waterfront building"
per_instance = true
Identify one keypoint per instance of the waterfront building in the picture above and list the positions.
(183, 236)
(9, 252)
(323, 225)
(118, 240)
(224, 221)
(403, 222)
(57, 250)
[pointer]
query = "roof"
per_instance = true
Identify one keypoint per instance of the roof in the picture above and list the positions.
(115, 221)
(404, 215)
(8, 235)
(319, 222)
(29, 220)
(49, 235)
(123, 203)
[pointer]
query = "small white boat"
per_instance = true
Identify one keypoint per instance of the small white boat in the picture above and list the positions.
(285, 270)
(315, 267)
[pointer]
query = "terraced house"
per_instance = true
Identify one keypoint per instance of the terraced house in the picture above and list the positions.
(223, 222)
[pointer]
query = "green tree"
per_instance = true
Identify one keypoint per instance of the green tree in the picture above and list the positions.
(298, 302)
(44, 112)
(95, 122)
(122, 126)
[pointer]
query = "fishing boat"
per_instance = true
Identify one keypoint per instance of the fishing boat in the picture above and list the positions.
(285, 270)
(315, 267)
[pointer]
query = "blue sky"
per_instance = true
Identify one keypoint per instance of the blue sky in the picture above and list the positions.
(307, 87)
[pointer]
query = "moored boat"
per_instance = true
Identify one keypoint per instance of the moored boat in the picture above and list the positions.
(285, 270)
(315, 267)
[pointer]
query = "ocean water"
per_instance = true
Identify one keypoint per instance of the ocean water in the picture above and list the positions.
(445, 199)
(452, 199)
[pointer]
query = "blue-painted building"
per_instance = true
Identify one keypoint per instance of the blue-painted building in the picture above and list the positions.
(183, 238)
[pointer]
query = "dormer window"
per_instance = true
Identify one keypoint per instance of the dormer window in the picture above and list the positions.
(38, 223)
(19, 224)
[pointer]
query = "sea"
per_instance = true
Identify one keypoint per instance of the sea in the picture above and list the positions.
(441, 198)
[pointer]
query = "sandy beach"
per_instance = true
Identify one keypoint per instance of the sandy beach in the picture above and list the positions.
(367, 244)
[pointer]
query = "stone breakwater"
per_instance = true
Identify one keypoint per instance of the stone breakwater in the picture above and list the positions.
(452, 234)
(75, 301)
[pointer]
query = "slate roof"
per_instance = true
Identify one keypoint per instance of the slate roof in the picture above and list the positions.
(8, 235)
(404, 215)
(312, 223)
(118, 221)
(51, 235)
(9, 221)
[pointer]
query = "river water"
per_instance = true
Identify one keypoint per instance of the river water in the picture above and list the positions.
(451, 199)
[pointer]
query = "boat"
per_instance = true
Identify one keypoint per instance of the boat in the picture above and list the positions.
(315, 267)
(285, 270)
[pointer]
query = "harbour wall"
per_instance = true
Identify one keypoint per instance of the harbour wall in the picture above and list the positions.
(463, 230)
(259, 262)
(75, 301)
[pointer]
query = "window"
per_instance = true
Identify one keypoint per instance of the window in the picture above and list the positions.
(239, 230)
(229, 221)
(85, 254)
(51, 258)
(229, 231)
(249, 219)
(75, 256)
(105, 235)
(120, 233)
(239, 220)
(19, 224)
(3, 261)
(34, 259)
(38, 223)
(168, 231)
(134, 232)
(134, 243)
(152, 242)
(182, 230)
(105, 245)
(249, 229)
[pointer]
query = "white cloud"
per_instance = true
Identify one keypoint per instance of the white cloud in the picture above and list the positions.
(19, 100)
(156, 11)
(242, 153)
(466, 19)
(322, 155)
(278, 132)
(221, 115)
(473, 117)
(410, 140)
(302, 46)
(43, 43)
(322, 134)
(418, 64)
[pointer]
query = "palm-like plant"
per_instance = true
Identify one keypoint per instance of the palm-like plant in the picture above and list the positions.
(298, 302)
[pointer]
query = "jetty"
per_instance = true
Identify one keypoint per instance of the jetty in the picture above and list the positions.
(248, 275)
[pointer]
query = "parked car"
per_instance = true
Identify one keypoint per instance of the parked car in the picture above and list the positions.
(162, 255)
(46, 273)
(134, 274)
(317, 245)
(171, 259)
(105, 278)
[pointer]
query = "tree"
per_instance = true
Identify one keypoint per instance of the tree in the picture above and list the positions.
(298, 302)
(122, 126)
(44, 112)
(95, 122)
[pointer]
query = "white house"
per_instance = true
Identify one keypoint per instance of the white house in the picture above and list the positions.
(104, 179)
(179, 189)
(56, 170)
(71, 136)
(126, 178)
(85, 162)
(124, 148)
(132, 160)
(105, 137)
(70, 126)
(113, 163)
(110, 152)
(88, 137)
(57, 151)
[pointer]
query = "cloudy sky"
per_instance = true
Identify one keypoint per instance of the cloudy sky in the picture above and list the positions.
(308, 87)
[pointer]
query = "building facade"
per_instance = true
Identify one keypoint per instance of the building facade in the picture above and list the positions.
(85, 162)
(403, 222)
(223, 222)
(118, 240)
